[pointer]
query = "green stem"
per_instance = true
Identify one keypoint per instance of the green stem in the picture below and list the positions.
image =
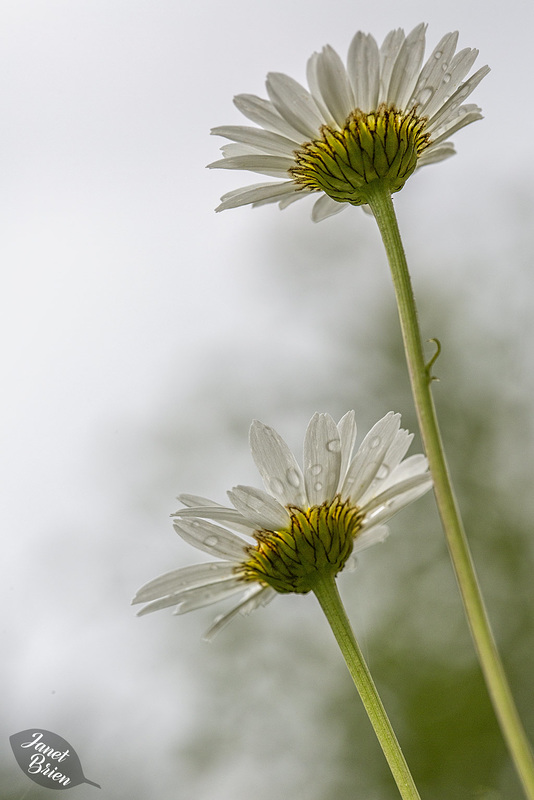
(326, 592)
(381, 205)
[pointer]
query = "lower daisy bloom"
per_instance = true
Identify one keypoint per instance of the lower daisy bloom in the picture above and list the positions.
(379, 118)
(306, 524)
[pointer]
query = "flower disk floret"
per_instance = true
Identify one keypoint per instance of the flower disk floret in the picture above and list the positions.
(304, 523)
(380, 117)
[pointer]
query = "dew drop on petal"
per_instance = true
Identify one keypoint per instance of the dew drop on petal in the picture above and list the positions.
(383, 472)
(318, 486)
(438, 54)
(425, 95)
(447, 77)
(293, 478)
(211, 541)
(316, 469)
(333, 446)
(276, 486)
(375, 442)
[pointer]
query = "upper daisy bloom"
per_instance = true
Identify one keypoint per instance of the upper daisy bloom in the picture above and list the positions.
(307, 523)
(378, 119)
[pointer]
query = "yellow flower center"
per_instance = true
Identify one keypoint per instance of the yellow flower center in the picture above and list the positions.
(383, 145)
(318, 540)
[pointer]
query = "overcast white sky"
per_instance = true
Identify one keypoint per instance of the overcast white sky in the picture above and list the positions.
(119, 281)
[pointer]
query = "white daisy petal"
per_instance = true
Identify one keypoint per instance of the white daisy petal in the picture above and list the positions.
(454, 102)
(334, 85)
(313, 83)
(433, 73)
(450, 79)
(259, 507)
(326, 207)
(157, 605)
(229, 516)
(256, 596)
(411, 467)
(277, 465)
(197, 500)
(388, 55)
(237, 149)
(394, 455)
(275, 166)
(369, 458)
(322, 459)
(286, 201)
(375, 535)
(386, 504)
(184, 578)
(204, 596)
(267, 141)
(347, 433)
(385, 513)
(465, 117)
(211, 538)
(363, 67)
(407, 65)
(197, 597)
(437, 153)
(294, 104)
(265, 114)
(257, 193)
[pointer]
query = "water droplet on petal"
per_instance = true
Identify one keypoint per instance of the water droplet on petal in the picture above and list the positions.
(211, 541)
(425, 95)
(276, 486)
(383, 472)
(375, 442)
(447, 77)
(318, 486)
(438, 54)
(293, 478)
(316, 469)
(333, 446)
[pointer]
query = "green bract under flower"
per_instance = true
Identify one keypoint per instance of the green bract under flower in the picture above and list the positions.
(306, 523)
(317, 540)
(379, 117)
(384, 146)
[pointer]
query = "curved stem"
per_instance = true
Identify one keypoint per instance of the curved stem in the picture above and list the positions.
(326, 592)
(381, 205)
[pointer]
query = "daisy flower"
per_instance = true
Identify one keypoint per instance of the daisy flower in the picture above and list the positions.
(379, 118)
(304, 524)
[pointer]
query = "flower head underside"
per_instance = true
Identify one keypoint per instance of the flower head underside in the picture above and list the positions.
(379, 118)
(305, 523)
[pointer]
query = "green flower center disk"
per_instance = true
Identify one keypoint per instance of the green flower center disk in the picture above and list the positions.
(318, 540)
(384, 145)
